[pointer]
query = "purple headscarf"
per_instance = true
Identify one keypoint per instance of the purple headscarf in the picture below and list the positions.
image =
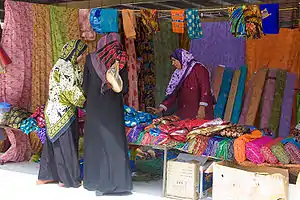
(188, 62)
(99, 66)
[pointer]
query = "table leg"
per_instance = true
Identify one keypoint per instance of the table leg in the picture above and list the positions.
(165, 171)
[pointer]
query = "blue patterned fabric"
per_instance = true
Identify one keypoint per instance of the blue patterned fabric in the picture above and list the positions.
(237, 106)
(133, 117)
(193, 24)
(270, 18)
(104, 20)
(29, 125)
(224, 92)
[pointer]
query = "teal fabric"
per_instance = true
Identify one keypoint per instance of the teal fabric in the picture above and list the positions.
(237, 107)
(224, 92)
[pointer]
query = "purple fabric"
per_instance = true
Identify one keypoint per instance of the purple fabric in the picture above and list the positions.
(187, 62)
(242, 119)
(287, 105)
(100, 68)
(134, 133)
(268, 98)
(42, 135)
(218, 46)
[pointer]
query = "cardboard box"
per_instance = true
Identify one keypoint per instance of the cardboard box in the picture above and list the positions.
(234, 182)
(186, 177)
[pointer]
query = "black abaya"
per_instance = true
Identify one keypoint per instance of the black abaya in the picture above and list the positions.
(59, 160)
(106, 162)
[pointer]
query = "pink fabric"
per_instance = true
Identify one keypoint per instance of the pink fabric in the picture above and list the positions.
(268, 155)
(294, 152)
(15, 85)
(86, 30)
(19, 150)
(132, 64)
(253, 149)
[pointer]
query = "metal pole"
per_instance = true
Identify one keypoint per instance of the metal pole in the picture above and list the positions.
(165, 171)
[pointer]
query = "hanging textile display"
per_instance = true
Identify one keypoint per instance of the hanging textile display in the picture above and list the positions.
(232, 95)
(217, 80)
(178, 21)
(150, 21)
(15, 85)
(132, 67)
(104, 20)
(237, 106)
(287, 105)
(237, 21)
(218, 47)
(258, 86)
(4, 60)
(194, 26)
(224, 92)
(129, 23)
(270, 18)
(278, 97)
(86, 31)
(146, 75)
(184, 41)
(42, 55)
(268, 98)
(164, 43)
(298, 108)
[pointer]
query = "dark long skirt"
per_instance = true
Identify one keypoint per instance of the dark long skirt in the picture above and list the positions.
(59, 160)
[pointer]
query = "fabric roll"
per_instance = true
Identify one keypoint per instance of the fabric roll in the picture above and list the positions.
(258, 87)
(268, 98)
(287, 105)
(280, 153)
(232, 95)
(178, 21)
(129, 23)
(278, 97)
(15, 87)
(218, 76)
(193, 24)
(270, 18)
(253, 149)
(224, 92)
(41, 55)
(237, 106)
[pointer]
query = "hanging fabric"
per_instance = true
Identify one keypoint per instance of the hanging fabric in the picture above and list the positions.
(184, 40)
(232, 95)
(4, 60)
(129, 23)
(268, 98)
(193, 24)
(237, 21)
(86, 30)
(270, 18)
(224, 92)
(150, 20)
(239, 96)
(15, 84)
(104, 20)
(217, 80)
(287, 105)
(178, 21)
(42, 55)
(276, 107)
(132, 67)
(253, 22)
(164, 43)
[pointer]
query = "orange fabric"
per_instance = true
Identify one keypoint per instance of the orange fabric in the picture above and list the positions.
(178, 21)
(239, 145)
(129, 23)
(217, 81)
(275, 51)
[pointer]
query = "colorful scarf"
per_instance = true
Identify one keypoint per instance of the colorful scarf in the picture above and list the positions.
(150, 20)
(193, 24)
(178, 21)
(187, 63)
(237, 21)
(104, 20)
(129, 23)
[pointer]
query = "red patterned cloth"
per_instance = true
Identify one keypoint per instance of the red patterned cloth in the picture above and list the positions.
(19, 150)
(132, 67)
(15, 84)
(111, 53)
(38, 115)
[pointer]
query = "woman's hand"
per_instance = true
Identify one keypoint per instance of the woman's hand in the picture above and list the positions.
(201, 112)
(154, 110)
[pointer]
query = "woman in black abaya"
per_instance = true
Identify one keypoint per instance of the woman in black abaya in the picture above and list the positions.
(106, 163)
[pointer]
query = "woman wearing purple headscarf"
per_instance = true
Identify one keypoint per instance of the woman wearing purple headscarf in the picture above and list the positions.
(106, 162)
(189, 87)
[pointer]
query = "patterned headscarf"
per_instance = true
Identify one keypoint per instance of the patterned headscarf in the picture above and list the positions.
(72, 50)
(188, 62)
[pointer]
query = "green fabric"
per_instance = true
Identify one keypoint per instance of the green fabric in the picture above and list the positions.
(298, 108)
(58, 30)
(164, 42)
(72, 50)
(278, 97)
(15, 117)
